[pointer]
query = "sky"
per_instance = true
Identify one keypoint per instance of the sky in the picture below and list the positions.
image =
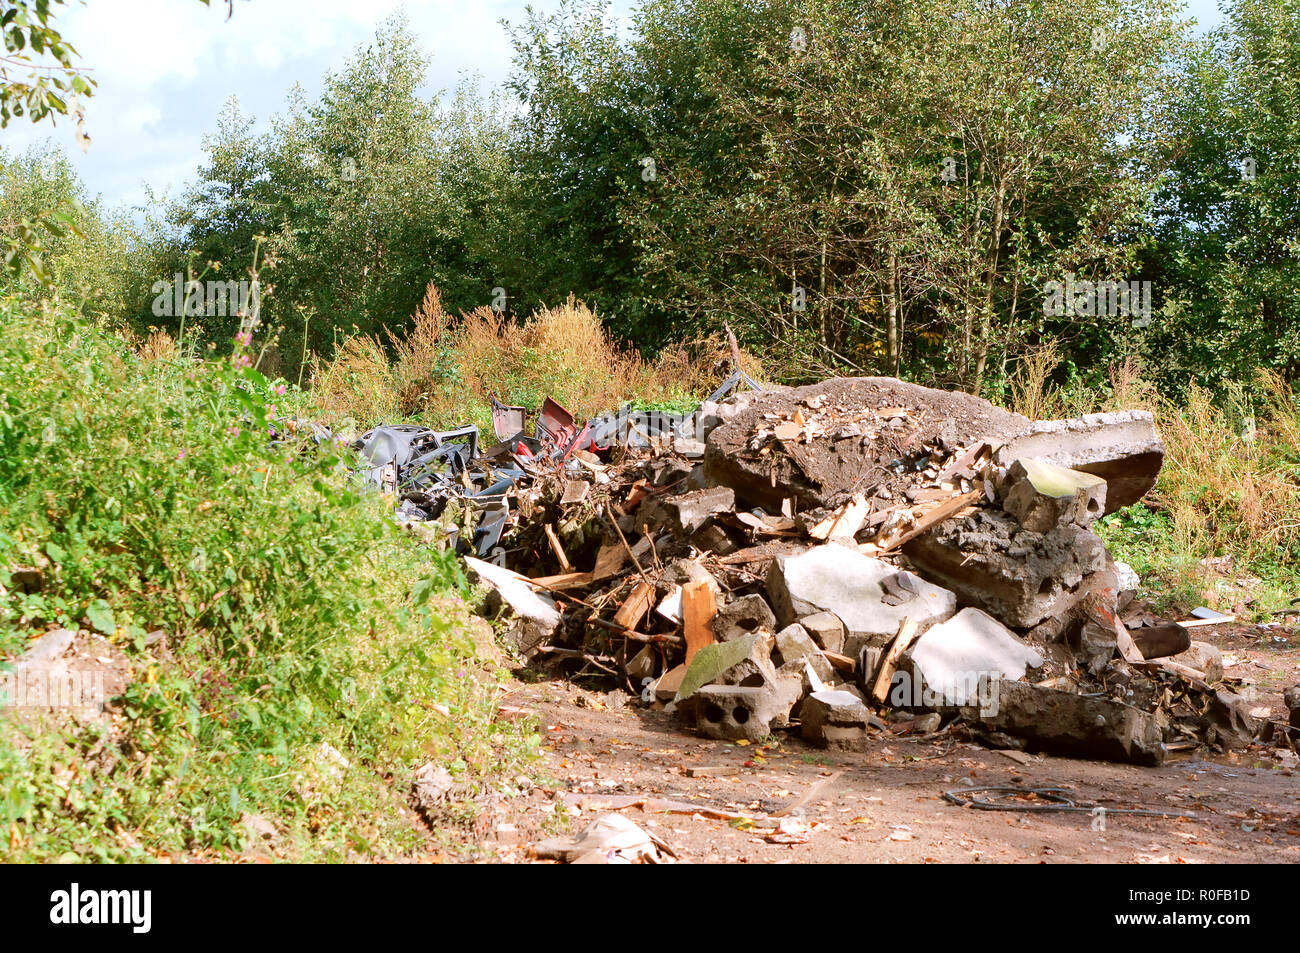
(165, 67)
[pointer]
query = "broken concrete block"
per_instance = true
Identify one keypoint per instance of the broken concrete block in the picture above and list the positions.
(741, 711)
(950, 657)
(1127, 581)
(841, 580)
(688, 513)
(826, 630)
(741, 617)
(832, 718)
(1095, 646)
(927, 723)
(1018, 577)
(1229, 715)
(1042, 495)
(688, 448)
(533, 614)
(1075, 724)
(714, 539)
(1122, 448)
(869, 658)
(1203, 657)
(642, 665)
(684, 571)
(793, 642)
(809, 680)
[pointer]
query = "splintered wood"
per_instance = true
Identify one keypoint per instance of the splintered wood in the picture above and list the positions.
(634, 608)
(907, 634)
(845, 522)
(931, 518)
(699, 606)
(557, 548)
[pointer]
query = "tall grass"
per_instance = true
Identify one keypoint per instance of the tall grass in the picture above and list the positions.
(1230, 485)
(444, 369)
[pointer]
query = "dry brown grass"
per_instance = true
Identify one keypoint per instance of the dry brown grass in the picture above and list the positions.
(443, 369)
(357, 385)
(1032, 392)
(155, 346)
(1224, 489)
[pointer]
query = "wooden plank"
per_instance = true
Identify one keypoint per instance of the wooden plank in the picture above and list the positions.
(568, 580)
(557, 548)
(845, 521)
(933, 518)
(609, 562)
(907, 633)
(1193, 676)
(1128, 649)
(699, 606)
(962, 460)
(635, 607)
(841, 662)
(1195, 623)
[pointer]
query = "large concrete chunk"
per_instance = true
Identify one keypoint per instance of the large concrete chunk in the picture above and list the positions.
(1042, 495)
(744, 712)
(1229, 715)
(820, 472)
(690, 512)
(826, 630)
(1203, 657)
(1122, 448)
(950, 657)
(841, 580)
(534, 615)
(1018, 577)
(1072, 724)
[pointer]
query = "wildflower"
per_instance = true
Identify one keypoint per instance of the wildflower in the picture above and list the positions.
(244, 338)
(280, 389)
(181, 455)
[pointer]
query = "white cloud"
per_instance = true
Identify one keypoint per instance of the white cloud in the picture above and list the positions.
(164, 68)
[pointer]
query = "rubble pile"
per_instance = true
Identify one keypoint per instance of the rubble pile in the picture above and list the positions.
(829, 559)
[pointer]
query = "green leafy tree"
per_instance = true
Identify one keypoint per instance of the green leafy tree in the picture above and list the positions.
(1226, 235)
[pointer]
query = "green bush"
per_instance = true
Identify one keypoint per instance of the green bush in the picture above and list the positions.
(296, 613)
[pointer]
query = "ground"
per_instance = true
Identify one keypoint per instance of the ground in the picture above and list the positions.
(885, 804)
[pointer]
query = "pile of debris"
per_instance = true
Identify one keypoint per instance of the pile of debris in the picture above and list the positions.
(829, 556)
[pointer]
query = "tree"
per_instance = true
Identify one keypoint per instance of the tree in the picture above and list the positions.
(855, 181)
(1226, 234)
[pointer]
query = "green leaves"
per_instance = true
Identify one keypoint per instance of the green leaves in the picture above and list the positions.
(30, 85)
(100, 615)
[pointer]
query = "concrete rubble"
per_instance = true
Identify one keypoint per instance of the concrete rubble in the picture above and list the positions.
(950, 658)
(838, 559)
(835, 719)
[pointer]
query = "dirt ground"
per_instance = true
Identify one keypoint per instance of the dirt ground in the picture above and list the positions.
(885, 804)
